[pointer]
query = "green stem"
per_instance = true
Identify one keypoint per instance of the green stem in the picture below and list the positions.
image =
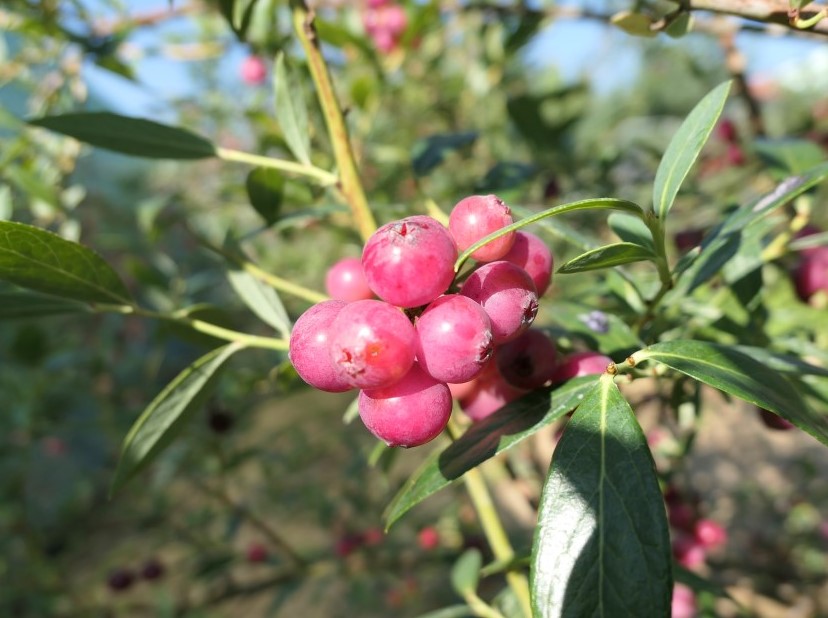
(494, 531)
(480, 607)
(664, 274)
(349, 182)
(179, 317)
(291, 167)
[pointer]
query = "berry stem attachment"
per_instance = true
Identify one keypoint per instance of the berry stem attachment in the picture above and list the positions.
(494, 531)
(349, 181)
(291, 167)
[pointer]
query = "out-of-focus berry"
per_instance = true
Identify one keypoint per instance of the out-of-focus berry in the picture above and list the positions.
(710, 534)
(774, 421)
(120, 579)
(309, 349)
(528, 361)
(687, 239)
(475, 217)
(684, 602)
(347, 544)
(409, 413)
(580, 364)
(454, 339)
(253, 70)
(346, 281)
(726, 131)
(152, 569)
(372, 344)
(428, 538)
(688, 552)
(409, 262)
(491, 393)
(256, 552)
(508, 295)
(811, 274)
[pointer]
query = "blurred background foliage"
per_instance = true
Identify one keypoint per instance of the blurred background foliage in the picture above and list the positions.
(505, 97)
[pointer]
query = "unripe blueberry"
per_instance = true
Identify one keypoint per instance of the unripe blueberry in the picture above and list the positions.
(253, 70)
(528, 361)
(256, 552)
(309, 349)
(409, 262)
(454, 339)
(409, 413)
(531, 254)
(346, 281)
(774, 421)
(371, 344)
(491, 393)
(580, 364)
(508, 295)
(811, 274)
(683, 604)
(710, 534)
(477, 216)
(120, 579)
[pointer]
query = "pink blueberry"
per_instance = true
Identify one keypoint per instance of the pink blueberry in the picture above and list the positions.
(475, 217)
(310, 344)
(532, 255)
(710, 534)
(580, 364)
(528, 361)
(253, 70)
(491, 393)
(346, 281)
(684, 602)
(811, 274)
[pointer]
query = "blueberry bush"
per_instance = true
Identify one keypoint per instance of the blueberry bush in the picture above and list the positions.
(511, 281)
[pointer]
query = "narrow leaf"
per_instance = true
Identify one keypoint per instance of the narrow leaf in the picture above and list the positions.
(606, 257)
(430, 152)
(631, 229)
(508, 426)
(735, 373)
(261, 299)
(39, 260)
(265, 190)
(685, 147)
(133, 136)
(291, 109)
(602, 546)
(466, 572)
(164, 418)
(636, 24)
(600, 203)
(26, 305)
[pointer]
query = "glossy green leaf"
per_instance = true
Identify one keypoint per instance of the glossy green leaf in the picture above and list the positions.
(261, 299)
(291, 109)
(600, 203)
(266, 191)
(735, 373)
(685, 147)
(430, 152)
(784, 363)
(636, 24)
(606, 257)
(133, 136)
(631, 229)
(39, 260)
(508, 426)
(165, 417)
(465, 573)
(602, 546)
(25, 305)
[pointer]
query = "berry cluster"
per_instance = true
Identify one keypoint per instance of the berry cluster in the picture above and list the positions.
(431, 337)
(385, 22)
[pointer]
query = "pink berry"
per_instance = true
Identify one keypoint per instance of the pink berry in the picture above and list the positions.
(681, 516)
(710, 534)
(477, 216)
(454, 339)
(347, 544)
(726, 131)
(492, 392)
(684, 602)
(256, 552)
(371, 344)
(735, 155)
(375, 4)
(688, 239)
(688, 552)
(532, 255)
(394, 19)
(409, 262)
(528, 361)
(409, 413)
(580, 364)
(346, 281)
(508, 295)
(373, 537)
(428, 538)
(253, 70)
(811, 274)
(309, 347)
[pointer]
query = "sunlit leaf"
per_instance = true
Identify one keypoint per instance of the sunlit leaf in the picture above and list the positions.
(39, 260)
(602, 546)
(606, 257)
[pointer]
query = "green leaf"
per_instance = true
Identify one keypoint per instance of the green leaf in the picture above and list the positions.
(599, 203)
(428, 153)
(265, 190)
(735, 373)
(631, 229)
(602, 546)
(39, 260)
(261, 299)
(679, 25)
(25, 305)
(133, 136)
(600, 330)
(792, 156)
(685, 147)
(784, 363)
(453, 611)
(465, 573)
(606, 257)
(165, 417)
(291, 109)
(508, 426)
(241, 9)
(636, 24)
